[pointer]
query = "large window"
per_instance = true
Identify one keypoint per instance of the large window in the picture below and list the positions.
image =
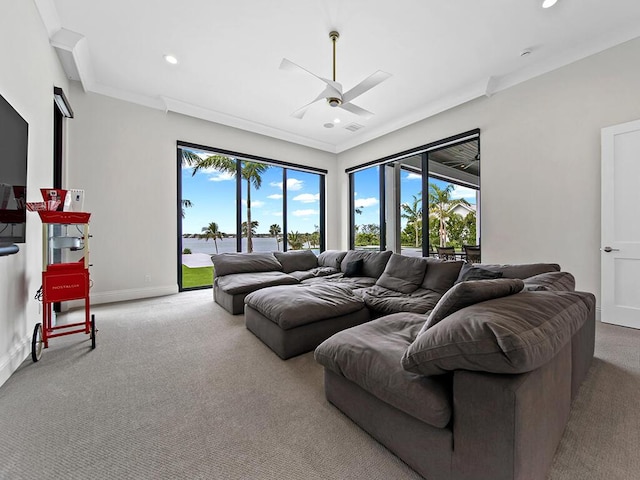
(231, 203)
(428, 197)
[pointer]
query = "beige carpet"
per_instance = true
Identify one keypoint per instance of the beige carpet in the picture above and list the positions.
(177, 388)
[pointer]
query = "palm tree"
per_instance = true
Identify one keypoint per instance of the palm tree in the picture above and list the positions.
(248, 233)
(250, 171)
(441, 207)
(186, 204)
(296, 240)
(413, 214)
(212, 231)
(275, 230)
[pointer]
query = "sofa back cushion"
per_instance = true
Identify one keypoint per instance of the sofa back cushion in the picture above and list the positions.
(331, 258)
(472, 272)
(441, 274)
(403, 274)
(513, 334)
(373, 262)
(522, 271)
(551, 281)
(296, 260)
(228, 263)
(470, 292)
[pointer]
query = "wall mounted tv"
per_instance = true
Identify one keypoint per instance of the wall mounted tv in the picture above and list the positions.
(14, 140)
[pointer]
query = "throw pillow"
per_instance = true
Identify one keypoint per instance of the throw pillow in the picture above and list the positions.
(469, 272)
(515, 334)
(441, 274)
(403, 274)
(354, 268)
(551, 281)
(468, 293)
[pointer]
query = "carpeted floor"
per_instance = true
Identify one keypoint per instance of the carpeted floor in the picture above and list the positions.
(179, 389)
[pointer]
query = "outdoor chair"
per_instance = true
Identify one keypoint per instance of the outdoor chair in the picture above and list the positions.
(446, 253)
(472, 253)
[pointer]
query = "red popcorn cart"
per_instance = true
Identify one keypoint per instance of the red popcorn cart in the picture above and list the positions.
(65, 275)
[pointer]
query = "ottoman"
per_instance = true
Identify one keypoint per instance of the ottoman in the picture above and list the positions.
(294, 319)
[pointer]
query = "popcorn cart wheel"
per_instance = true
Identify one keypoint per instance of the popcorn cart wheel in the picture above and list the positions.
(65, 276)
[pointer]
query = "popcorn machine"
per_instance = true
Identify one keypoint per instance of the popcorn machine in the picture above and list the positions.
(65, 275)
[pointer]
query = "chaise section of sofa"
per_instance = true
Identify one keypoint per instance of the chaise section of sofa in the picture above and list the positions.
(485, 393)
(238, 274)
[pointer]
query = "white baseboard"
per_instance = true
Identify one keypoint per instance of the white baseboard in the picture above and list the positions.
(10, 362)
(124, 295)
(598, 314)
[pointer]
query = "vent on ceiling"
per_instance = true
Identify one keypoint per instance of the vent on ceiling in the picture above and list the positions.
(354, 127)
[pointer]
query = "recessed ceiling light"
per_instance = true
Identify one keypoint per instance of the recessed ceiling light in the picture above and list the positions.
(328, 125)
(171, 59)
(337, 120)
(548, 3)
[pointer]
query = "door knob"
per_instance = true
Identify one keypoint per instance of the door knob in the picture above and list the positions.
(609, 249)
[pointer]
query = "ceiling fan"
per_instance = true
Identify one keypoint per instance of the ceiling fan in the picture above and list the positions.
(333, 91)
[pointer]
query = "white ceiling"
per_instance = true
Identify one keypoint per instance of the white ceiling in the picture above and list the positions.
(440, 54)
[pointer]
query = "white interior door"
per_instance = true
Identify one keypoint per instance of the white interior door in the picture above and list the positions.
(620, 247)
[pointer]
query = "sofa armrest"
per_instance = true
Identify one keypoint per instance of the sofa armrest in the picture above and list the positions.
(508, 426)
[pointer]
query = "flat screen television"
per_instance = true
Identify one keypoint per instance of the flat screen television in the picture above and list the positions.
(14, 142)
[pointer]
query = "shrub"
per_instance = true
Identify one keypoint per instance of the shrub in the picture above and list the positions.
(186, 251)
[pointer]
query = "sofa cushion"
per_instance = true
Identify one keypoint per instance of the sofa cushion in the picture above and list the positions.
(441, 274)
(374, 262)
(369, 356)
(248, 282)
(331, 258)
(551, 281)
(403, 274)
(229, 263)
(385, 302)
(467, 293)
(522, 271)
(296, 260)
(354, 268)
(293, 306)
(513, 334)
(317, 272)
(471, 272)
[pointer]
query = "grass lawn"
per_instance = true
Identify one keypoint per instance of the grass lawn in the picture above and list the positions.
(196, 277)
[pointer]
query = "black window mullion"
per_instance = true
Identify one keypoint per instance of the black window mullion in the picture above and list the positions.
(382, 210)
(239, 205)
(323, 223)
(285, 228)
(179, 216)
(425, 204)
(352, 216)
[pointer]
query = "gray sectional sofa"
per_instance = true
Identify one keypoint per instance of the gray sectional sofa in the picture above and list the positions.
(464, 372)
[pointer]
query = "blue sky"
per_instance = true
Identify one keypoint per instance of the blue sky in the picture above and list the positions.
(212, 194)
(368, 196)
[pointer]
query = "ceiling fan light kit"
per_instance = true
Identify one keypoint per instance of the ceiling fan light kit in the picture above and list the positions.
(333, 90)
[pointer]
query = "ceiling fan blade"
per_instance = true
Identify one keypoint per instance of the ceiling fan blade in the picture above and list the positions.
(288, 65)
(365, 85)
(350, 107)
(324, 94)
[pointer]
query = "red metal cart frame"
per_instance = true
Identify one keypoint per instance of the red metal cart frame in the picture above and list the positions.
(63, 281)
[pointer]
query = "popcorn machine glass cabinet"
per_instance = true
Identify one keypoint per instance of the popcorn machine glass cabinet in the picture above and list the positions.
(65, 243)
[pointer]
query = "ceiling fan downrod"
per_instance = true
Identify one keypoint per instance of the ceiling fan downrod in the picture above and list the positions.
(334, 101)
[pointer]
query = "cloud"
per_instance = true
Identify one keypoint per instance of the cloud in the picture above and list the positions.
(305, 213)
(413, 176)
(463, 192)
(218, 175)
(254, 203)
(307, 197)
(275, 196)
(366, 202)
(292, 184)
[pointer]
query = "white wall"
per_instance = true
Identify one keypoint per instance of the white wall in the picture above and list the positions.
(124, 156)
(30, 69)
(540, 170)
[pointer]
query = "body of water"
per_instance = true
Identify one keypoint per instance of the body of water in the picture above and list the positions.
(199, 245)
